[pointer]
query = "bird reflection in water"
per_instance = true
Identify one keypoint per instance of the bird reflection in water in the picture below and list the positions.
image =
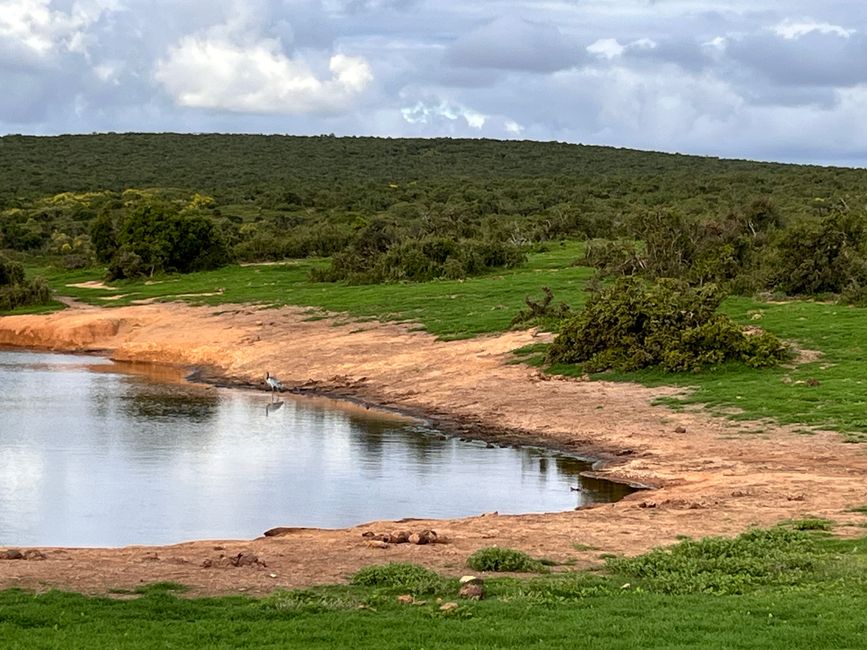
(272, 406)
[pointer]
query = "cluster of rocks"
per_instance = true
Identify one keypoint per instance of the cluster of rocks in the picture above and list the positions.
(239, 560)
(382, 540)
(15, 554)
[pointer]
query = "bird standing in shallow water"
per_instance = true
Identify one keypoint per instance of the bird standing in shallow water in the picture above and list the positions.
(273, 382)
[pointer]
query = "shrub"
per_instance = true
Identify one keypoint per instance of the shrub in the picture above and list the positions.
(156, 236)
(494, 558)
(126, 264)
(16, 291)
(399, 575)
(823, 257)
(634, 324)
(613, 257)
(774, 557)
(416, 260)
(11, 272)
(542, 313)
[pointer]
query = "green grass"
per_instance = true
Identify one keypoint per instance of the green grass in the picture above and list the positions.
(817, 605)
(447, 308)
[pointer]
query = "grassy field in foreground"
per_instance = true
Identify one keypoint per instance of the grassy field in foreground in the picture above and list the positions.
(767, 589)
(829, 392)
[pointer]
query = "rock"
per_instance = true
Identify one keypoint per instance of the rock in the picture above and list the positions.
(246, 559)
(367, 534)
(399, 537)
(406, 599)
(11, 554)
(448, 607)
(150, 557)
(34, 554)
(647, 504)
(472, 588)
(280, 530)
(680, 430)
(207, 563)
(472, 591)
(423, 537)
(377, 543)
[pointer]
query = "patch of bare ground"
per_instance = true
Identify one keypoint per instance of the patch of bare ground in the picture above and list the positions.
(712, 476)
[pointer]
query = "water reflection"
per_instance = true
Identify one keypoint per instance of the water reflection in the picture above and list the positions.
(117, 458)
(150, 403)
(272, 406)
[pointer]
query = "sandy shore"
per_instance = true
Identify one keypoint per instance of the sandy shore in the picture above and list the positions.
(712, 476)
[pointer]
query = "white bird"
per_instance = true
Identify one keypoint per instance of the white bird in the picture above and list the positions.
(273, 382)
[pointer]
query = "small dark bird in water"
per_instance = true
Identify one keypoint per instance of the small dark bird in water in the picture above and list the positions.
(576, 489)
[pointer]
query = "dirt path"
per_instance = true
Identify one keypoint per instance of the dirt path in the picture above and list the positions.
(717, 477)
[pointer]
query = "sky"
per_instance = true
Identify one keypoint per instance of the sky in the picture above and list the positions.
(758, 79)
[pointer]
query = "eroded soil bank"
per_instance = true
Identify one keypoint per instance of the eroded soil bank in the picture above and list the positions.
(712, 476)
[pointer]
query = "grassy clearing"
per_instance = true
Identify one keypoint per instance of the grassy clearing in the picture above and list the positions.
(813, 606)
(449, 309)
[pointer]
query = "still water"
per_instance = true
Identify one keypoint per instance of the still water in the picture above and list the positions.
(94, 453)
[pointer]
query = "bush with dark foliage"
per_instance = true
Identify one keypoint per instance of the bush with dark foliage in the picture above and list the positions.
(16, 291)
(634, 324)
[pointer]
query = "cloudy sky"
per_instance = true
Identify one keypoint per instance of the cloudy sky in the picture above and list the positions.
(759, 79)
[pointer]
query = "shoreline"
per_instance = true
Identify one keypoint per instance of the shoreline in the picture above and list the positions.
(710, 476)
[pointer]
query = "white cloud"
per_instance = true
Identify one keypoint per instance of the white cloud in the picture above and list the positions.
(513, 127)
(211, 71)
(792, 30)
(610, 48)
(42, 30)
(606, 48)
(431, 112)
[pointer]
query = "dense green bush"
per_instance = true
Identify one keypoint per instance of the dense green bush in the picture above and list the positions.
(154, 235)
(390, 259)
(11, 272)
(16, 291)
(399, 575)
(613, 257)
(317, 239)
(494, 558)
(823, 257)
(635, 324)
